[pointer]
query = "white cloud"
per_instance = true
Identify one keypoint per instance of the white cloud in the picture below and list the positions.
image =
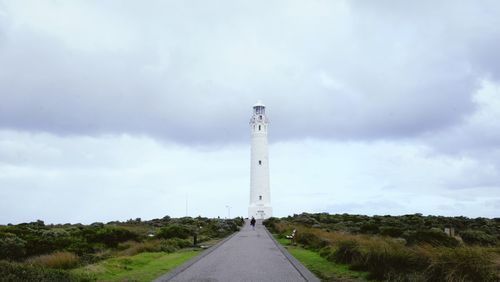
(375, 108)
(341, 70)
(69, 179)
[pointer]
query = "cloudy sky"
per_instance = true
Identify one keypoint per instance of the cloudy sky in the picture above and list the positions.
(122, 109)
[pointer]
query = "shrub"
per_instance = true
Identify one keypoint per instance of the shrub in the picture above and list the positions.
(13, 272)
(369, 228)
(270, 224)
(80, 246)
(382, 257)
(59, 260)
(219, 228)
(174, 231)
(305, 219)
(461, 264)
(391, 231)
(347, 252)
(132, 248)
(311, 240)
(239, 221)
(432, 237)
(179, 243)
(328, 253)
(111, 236)
(476, 237)
(12, 247)
(174, 244)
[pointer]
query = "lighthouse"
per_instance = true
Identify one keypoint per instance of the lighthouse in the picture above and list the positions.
(260, 194)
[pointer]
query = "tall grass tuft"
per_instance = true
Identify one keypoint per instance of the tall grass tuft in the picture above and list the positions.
(58, 260)
(461, 264)
(428, 257)
(347, 252)
(131, 248)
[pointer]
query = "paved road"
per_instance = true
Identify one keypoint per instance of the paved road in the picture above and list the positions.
(250, 255)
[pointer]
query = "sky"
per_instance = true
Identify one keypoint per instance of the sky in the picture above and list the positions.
(111, 110)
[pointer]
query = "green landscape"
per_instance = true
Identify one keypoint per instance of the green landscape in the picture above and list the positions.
(134, 250)
(346, 247)
(339, 247)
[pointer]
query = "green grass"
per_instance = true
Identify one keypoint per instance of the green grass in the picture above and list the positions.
(141, 267)
(324, 269)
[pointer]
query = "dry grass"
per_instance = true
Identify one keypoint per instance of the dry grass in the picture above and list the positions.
(386, 257)
(461, 264)
(131, 248)
(59, 260)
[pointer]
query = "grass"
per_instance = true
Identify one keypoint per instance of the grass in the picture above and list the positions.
(61, 260)
(141, 267)
(392, 259)
(324, 269)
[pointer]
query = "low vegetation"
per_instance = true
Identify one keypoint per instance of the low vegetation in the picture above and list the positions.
(58, 260)
(400, 248)
(68, 252)
(321, 266)
(144, 266)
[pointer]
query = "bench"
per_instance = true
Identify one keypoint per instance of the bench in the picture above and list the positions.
(292, 236)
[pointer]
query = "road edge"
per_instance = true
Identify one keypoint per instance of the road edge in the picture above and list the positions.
(176, 271)
(306, 273)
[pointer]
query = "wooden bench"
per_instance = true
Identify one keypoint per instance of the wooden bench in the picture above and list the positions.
(292, 236)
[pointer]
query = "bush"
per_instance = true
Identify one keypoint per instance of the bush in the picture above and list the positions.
(179, 243)
(476, 237)
(13, 272)
(432, 237)
(174, 231)
(132, 248)
(391, 231)
(328, 253)
(80, 246)
(347, 252)
(311, 240)
(369, 228)
(12, 247)
(44, 241)
(305, 219)
(59, 260)
(239, 221)
(461, 264)
(111, 236)
(270, 224)
(174, 244)
(382, 258)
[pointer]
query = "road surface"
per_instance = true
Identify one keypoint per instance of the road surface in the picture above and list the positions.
(249, 255)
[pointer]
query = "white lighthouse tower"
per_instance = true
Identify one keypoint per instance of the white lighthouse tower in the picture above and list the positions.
(260, 194)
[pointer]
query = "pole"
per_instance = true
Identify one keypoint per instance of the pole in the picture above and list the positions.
(186, 204)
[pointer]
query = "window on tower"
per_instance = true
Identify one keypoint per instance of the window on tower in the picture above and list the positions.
(260, 162)
(260, 117)
(260, 197)
(259, 127)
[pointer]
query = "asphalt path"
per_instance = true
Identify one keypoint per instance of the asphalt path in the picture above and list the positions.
(249, 255)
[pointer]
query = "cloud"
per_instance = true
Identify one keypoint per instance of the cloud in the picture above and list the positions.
(478, 135)
(190, 73)
(68, 179)
(87, 179)
(375, 107)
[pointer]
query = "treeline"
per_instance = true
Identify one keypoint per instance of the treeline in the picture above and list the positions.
(42, 250)
(401, 248)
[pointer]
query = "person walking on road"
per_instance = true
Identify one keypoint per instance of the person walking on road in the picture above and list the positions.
(252, 222)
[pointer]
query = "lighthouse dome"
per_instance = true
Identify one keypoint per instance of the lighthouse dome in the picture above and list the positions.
(259, 104)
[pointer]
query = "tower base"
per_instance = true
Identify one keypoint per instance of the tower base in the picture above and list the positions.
(260, 212)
